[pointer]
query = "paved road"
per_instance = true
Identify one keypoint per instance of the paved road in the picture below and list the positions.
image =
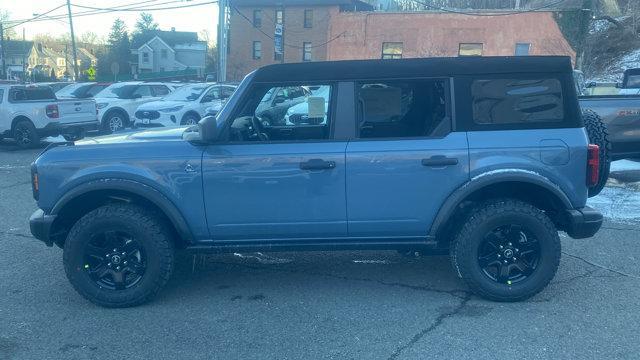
(356, 305)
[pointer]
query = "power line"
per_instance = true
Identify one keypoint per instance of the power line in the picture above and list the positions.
(285, 44)
(56, 17)
(35, 17)
(460, 12)
(127, 7)
(147, 9)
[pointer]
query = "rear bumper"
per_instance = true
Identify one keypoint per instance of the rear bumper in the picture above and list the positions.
(583, 223)
(40, 225)
(56, 128)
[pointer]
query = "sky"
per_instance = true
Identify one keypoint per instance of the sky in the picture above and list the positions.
(187, 19)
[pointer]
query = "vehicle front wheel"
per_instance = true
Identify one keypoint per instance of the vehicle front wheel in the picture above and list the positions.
(119, 255)
(507, 250)
(114, 122)
(189, 120)
(26, 135)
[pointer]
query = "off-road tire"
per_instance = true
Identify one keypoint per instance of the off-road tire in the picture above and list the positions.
(598, 135)
(486, 217)
(26, 135)
(147, 228)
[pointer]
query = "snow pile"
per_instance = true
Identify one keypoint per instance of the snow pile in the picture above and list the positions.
(615, 71)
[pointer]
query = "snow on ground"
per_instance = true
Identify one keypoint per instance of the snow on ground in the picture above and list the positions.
(619, 201)
(615, 71)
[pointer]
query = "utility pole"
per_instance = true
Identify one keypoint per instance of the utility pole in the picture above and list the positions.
(223, 36)
(517, 4)
(4, 64)
(586, 15)
(73, 43)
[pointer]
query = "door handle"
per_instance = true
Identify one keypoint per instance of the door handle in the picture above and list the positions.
(317, 164)
(439, 160)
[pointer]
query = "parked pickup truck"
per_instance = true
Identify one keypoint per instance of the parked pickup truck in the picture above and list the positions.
(29, 113)
(621, 114)
(484, 158)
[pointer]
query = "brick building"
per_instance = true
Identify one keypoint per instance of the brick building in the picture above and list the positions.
(431, 34)
(315, 30)
(306, 31)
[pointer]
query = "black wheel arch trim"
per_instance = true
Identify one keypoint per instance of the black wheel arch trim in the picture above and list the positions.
(145, 191)
(190, 112)
(484, 180)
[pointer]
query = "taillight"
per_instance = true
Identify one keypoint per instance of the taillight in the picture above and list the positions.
(593, 165)
(52, 111)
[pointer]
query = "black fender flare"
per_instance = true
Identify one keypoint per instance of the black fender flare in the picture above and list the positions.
(481, 181)
(145, 191)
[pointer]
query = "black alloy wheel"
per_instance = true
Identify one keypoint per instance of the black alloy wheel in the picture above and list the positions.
(114, 260)
(509, 254)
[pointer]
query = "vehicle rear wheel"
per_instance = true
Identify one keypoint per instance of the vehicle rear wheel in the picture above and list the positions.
(118, 255)
(189, 120)
(507, 250)
(598, 135)
(113, 122)
(25, 134)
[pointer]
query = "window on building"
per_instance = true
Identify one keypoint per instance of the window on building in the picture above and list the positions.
(308, 19)
(284, 113)
(61, 62)
(145, 57)
(392, 50)
(470, 49)
(522, 49)
(279, 17)
(278, 56)
(391, 109)
(306, 51)
(163, 53)
(257, 50)
(517, 101)
(161, 69)
(257, 18)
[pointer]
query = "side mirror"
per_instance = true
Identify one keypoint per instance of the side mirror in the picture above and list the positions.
(208, 129)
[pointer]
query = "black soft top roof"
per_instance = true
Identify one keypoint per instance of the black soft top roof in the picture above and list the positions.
(403, 68)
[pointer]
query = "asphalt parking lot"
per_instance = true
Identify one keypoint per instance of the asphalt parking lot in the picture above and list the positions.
(355, 305)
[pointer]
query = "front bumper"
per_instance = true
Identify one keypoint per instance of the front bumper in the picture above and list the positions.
(40, 225)
(164, 120)
(583, 223)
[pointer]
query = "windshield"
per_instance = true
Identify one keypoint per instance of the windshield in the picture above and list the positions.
(120, 91)
(187, 93)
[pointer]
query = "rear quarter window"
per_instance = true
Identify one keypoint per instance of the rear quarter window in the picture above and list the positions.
(517, 101)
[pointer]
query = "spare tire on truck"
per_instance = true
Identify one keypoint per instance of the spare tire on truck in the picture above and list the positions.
(598, 135)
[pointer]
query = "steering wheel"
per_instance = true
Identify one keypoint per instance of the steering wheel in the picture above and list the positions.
(256, 124)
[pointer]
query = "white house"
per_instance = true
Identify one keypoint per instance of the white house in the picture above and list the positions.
(163, 51)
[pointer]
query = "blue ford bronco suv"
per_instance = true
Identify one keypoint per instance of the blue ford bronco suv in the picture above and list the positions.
(484, 158)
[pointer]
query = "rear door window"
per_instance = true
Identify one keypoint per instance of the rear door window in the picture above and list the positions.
(517, 101)
(397, 109)
(160, 90)
(31, 94)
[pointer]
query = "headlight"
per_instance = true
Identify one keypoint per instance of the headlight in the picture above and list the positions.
(102, 105)
(171, 109)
